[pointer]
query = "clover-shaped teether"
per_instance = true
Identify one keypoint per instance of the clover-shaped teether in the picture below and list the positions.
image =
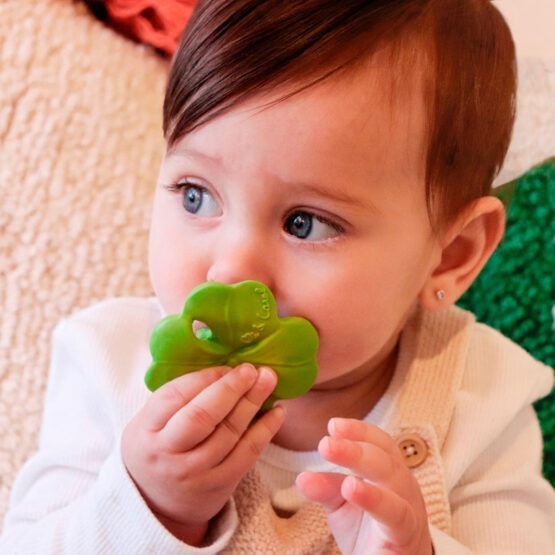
(241, 326)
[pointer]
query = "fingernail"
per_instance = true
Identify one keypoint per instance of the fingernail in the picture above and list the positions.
(336, 424)
(278, 415)
(332, 425)
(352, 484)
(267, 374)
(247, 370)
(324, 443)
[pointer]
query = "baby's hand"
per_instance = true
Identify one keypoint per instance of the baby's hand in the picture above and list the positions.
(382, 511)
(193, 441)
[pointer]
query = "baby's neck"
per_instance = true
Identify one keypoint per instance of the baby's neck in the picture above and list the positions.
(308, 416)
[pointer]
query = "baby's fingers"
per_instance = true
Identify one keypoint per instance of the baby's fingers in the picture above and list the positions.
(231, 429)
(395, 515)
(197, 420)
(172, 396)
(364, 459)
(322, 487)
(251, 445)
(358, 430)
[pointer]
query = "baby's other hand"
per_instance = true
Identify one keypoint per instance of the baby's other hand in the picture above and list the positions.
(193, 441)
(380, 509)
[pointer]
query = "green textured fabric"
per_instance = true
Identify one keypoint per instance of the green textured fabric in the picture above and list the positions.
(515, 293)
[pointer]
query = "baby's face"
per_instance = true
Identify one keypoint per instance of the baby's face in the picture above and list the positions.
(320, 197)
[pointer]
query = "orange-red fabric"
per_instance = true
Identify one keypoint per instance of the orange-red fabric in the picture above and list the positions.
(155, 22)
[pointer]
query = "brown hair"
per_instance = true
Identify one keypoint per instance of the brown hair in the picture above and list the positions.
(232, 50)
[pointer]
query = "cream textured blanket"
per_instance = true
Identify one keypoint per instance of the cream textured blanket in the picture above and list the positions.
(80, 142)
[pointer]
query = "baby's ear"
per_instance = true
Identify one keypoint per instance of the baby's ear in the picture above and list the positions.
(466, 246)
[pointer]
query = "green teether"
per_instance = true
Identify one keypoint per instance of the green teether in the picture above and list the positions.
(242, 326)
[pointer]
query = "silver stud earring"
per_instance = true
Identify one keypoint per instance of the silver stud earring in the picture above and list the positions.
(440, 294)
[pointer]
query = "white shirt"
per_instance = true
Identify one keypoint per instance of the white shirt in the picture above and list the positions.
(74, 496)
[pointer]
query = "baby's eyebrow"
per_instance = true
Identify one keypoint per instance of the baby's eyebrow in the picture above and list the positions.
(316, 189)
(336, 195)
(182, 152)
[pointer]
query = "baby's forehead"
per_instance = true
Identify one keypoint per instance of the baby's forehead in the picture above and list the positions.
(384, 94)
(390, 81)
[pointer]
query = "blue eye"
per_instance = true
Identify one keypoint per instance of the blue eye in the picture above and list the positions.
(305, 225)
(299, 224)
(198, 200)
(192, 199)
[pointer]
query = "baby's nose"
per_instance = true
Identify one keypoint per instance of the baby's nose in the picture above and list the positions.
(241, 259)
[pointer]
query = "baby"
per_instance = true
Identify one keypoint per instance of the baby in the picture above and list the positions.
(341, 153)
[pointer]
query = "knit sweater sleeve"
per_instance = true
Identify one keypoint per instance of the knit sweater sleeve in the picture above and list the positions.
(500, 502)
(74, 495)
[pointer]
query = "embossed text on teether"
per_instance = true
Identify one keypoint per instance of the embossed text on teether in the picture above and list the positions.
(264, 314)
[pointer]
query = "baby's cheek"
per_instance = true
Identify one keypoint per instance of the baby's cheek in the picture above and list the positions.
(345, 349)
(169, 290)
(335, 355)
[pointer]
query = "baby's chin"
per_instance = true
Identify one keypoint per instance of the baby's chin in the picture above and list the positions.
(333, 376)
(332, 381)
